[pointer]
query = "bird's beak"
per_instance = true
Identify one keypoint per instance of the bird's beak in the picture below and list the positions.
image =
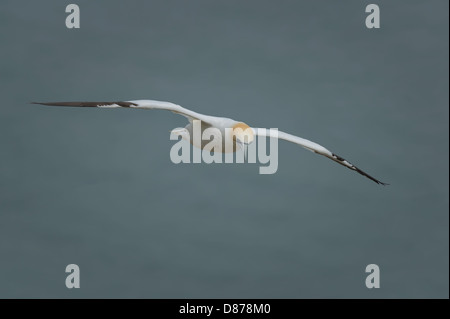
(245, 150)
(244, 147)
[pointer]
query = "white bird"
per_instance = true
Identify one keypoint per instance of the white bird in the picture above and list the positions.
(240, 140)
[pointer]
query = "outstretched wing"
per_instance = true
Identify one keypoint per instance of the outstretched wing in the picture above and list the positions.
(313, 147)
(139, 104)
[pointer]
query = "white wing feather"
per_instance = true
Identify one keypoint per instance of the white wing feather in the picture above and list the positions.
(175, 108)
(313, 147)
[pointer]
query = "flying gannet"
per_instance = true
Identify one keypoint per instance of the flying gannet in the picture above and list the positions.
(241, 140)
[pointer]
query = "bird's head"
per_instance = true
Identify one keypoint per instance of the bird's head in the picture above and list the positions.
(243, 135)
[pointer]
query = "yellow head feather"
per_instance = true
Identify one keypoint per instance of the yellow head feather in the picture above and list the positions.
(243, 132)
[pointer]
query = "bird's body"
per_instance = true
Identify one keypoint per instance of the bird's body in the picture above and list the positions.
(217, 138)
(242, 134)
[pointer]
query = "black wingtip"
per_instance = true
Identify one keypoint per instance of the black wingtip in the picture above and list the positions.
(345, 163)
(76, 104)
(369, 177)
(39, 103)
(50, 103)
